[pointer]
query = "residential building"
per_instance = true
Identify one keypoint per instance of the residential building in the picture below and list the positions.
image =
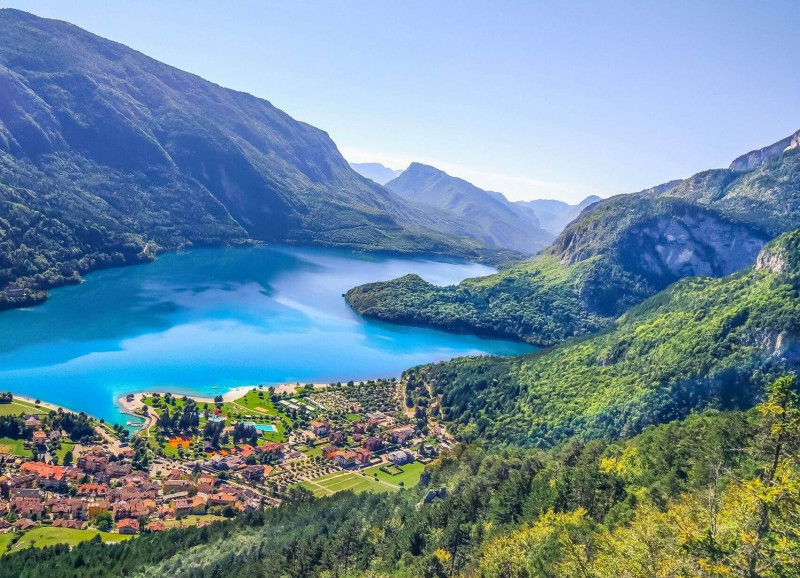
(320, 428)
(128, 526)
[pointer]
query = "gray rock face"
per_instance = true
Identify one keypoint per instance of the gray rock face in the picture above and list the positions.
(772, 261)
(693, 244)
(756, 158)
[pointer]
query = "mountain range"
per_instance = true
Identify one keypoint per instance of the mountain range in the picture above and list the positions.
(656, 434)
(434, 187)
(499, 223)
(617, 253)
(107, 156)
(554, 215)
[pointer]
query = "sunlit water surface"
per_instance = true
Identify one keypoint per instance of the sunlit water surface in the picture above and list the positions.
(210, 319)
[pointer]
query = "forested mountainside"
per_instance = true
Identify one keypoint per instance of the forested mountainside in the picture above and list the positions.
(554, 215)
(376, 172)
(541, 302)
(625, 248)
(703, 342)
(107, 155)
(497, 222)
(714, 495)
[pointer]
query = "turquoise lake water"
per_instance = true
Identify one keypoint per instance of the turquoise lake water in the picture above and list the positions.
(207, 320)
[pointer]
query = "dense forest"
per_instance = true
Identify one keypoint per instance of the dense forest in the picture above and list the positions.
(713, 495)
(704, 342)
(540, 302)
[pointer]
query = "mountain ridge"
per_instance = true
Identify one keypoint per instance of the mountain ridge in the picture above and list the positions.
(108, 156)
(499, 221)
(620, 251)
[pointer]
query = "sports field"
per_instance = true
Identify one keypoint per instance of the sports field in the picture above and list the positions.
(340, 481)
(409, 476)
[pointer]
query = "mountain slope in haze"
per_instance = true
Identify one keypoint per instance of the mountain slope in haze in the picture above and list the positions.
(106, 155)
(376, 172)
(496, 221)
(554, 215)
(620, 251)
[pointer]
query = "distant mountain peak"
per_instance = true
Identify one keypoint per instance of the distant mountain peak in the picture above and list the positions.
(498, 222)
(377, 172)
(758, 157)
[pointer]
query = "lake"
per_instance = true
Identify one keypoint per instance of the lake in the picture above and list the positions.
(206, 320)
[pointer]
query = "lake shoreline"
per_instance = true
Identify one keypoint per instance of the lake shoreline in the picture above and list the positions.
(228, 396)
(210, 318)
(44, 404)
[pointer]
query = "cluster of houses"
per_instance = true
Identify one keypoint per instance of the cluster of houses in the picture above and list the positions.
(104, 485)
(235, 460)
(363, 453)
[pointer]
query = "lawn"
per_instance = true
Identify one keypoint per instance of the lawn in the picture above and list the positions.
(49, 536)
(252, 401)
(5, 539)
(192, 520)
(14, 447)
(20, 407)
(312, 451)
(61, 452)
(409, 476)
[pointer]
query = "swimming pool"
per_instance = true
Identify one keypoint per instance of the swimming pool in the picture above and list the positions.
(266, 427)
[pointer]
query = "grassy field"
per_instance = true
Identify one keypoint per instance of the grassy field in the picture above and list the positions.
(312, 451)
(14, 447)
(260, 404)
(49, 536)
(409, 476)
(61, 452)
(18, 407)
(340, 481)
(192, 520)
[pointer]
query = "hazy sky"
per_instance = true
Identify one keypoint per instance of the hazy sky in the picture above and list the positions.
(534, 99)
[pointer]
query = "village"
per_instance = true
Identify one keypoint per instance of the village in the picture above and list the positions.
(192, 461)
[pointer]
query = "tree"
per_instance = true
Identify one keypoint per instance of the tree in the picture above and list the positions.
(103, 521)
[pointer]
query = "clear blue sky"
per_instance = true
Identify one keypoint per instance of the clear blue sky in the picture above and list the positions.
(535, 99)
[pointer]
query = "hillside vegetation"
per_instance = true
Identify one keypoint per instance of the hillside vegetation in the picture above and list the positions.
(541, 301)
(703, 342)
(715, 495)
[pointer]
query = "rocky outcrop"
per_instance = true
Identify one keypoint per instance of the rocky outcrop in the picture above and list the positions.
(756, 158)
(782, 256)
